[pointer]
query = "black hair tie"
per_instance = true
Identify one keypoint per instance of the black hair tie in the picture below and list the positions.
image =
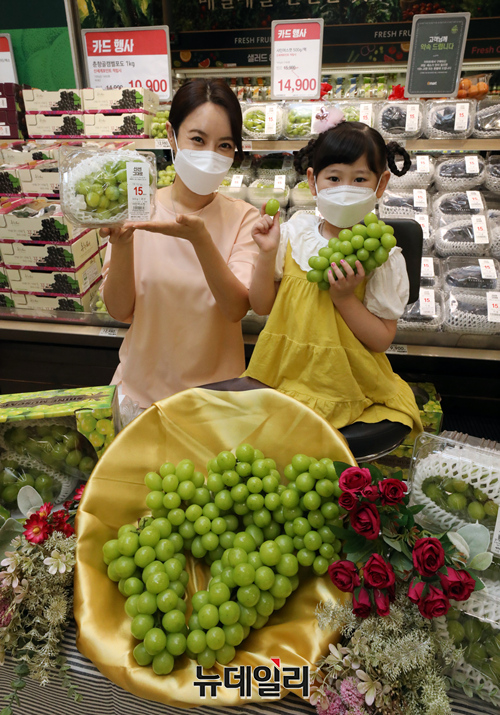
(394, 149)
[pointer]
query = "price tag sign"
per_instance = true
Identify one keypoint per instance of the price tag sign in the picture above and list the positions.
(246, 146)
(365, 113)
(427, 302)
(487, 267)
(280, 181)
(420, 198)
(472, 164)
(296, 55)
(423, 164)
(270, 124)
(133, 57)
(423, 220)
(139, 207)
(437, 47)
(493, 301)
(480, 229)
(397, 350)
(475, 200)
(7, 64)
(427, 268)
(108, 332)
(412, 115)
(162, 143)
(461, 117)
(237, 181)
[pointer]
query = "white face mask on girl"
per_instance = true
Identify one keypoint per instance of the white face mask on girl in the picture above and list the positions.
(201, 171)
(346, 205)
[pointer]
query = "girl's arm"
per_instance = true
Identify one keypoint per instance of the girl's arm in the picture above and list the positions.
(119, 287)
(230, 294)
(266, 234)
(376, 333)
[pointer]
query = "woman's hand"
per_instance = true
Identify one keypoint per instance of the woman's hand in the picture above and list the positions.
(118, 234)
(266, 232)
(344, 286)
(186, 226)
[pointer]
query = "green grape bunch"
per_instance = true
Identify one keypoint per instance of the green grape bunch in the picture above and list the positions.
(369, 242)
(255, 120)
(257, 534)
(159, 124)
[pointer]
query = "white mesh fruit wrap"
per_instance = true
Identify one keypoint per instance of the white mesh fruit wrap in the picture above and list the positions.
(262, 135)
(480, 470)
(465, 182)
(485, 133)
(458, 320)
(412, 179)
(432, 131)
(495, 239)
(446, 247)
(387, 211)
(492, 183)
(67, 484)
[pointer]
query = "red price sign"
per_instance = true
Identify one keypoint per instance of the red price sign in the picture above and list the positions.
(296, 53)
(7, 64)
(132, 57)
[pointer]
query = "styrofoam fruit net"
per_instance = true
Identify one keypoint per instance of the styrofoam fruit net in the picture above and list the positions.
(413, 179)
(462, 181)
(413, 321)
(439, 121)
(65, 483)
(257, 114)
(398, 205)
(479, 468)
(467, 312)
(445, 245)
(487, 122)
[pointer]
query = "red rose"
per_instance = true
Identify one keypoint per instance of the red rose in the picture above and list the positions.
(378, 573)
(365, 520)
(392, 491)
(381, 602)
(392, 593)
(344, 575)
(435, 604)
(354, 479)
(371, 493)
(457, 584)
(415, 591)
(348, 501)
(428, 556)
(361, 605)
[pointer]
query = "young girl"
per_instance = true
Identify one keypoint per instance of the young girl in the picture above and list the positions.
(326, 348)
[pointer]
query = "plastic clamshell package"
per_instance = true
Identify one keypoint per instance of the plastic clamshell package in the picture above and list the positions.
(85, 170)
(413, 320)
(435, 280)
(413, 179)
(453, 173)
(392, 119)
(401, 204)
(441, 117)
(352, 110)
(457, 239)
(301, 195)
(466, 311)
(234, 192)
(298, 119)
(466, 272)
(254, 120)
(494, 224)
(492, 174)
(487, 121)
(450, 206)
(260, 191)
(270, 165)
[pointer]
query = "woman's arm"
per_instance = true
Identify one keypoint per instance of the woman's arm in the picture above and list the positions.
(119, 286)
(266, 234)
(230, 294)
(376, 333)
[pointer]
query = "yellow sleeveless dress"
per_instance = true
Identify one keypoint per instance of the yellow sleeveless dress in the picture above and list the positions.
(307, 351)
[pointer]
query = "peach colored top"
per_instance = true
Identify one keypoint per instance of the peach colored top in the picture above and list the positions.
(178, 337)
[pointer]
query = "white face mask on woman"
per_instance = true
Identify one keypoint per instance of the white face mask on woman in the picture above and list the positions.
(201, 171)
(346, 205)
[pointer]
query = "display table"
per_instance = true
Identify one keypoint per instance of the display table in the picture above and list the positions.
(102, 697)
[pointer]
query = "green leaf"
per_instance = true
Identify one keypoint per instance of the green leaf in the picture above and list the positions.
(479, 585)
(8, 531)
(481, 562)
(401, 564)
(477, 537)
(6, 711)
(357, 556)
(340, 532)
(393, 543)
(355, 542)
(21, 669)
(398, 475)
(417, 508)
(341, 467)
(406, 551)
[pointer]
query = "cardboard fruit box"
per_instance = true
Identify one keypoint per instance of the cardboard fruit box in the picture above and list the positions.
(29, 254)
(40, 178)
(62, 101)
(10, 184)
(36, 305)
(120, 100)
(61, 281)
(24, 152)
(104, 126)
(35, 219)
(4, 281)
(47, 126)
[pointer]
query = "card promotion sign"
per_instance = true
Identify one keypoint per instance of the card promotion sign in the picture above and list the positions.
(436, 53)
(133, 57)
(296, 55)
(7, 64)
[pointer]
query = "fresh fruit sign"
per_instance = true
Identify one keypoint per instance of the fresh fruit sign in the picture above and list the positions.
(296, 53)
(7, 64)
(133, 57)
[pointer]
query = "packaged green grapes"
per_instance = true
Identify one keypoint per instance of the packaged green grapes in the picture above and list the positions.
(262, 120)
(103, 188)
(65, 431)
(301, 195)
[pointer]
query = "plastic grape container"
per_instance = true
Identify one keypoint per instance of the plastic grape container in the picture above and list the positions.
(301, 196)
(459, 173)
(449, 207)
(492, 174)
(298, 120)
(443, 118)
(413, 320)
(352, 110)
(470, 272)
(457, 483)
(271, 165)
(254, 120)
(14, 476)
(260, 191)
(95, 185)
(414, 178)
(400, 204)
(466, 312)
(494, 224)
(400, 120)
(234, 192)
(435, 280)
(487, 121)
(456, 238)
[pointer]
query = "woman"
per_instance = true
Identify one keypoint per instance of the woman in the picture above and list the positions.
(184, 276)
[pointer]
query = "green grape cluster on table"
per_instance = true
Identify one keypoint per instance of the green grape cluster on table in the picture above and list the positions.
(97, 426)
(369, 243)
(458, 497)
(14, 476)
(480, 640)
(253, 531)
(166, 176)
(255, 120)
(298, 122)
(159, 124)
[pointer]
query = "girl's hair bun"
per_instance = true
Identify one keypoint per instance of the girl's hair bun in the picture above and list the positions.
(394, 149)
(303, 158)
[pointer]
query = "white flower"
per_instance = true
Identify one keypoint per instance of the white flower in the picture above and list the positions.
(56, 562)
(11, 561)
(8, 579)
(21, 590)
(368, 687)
